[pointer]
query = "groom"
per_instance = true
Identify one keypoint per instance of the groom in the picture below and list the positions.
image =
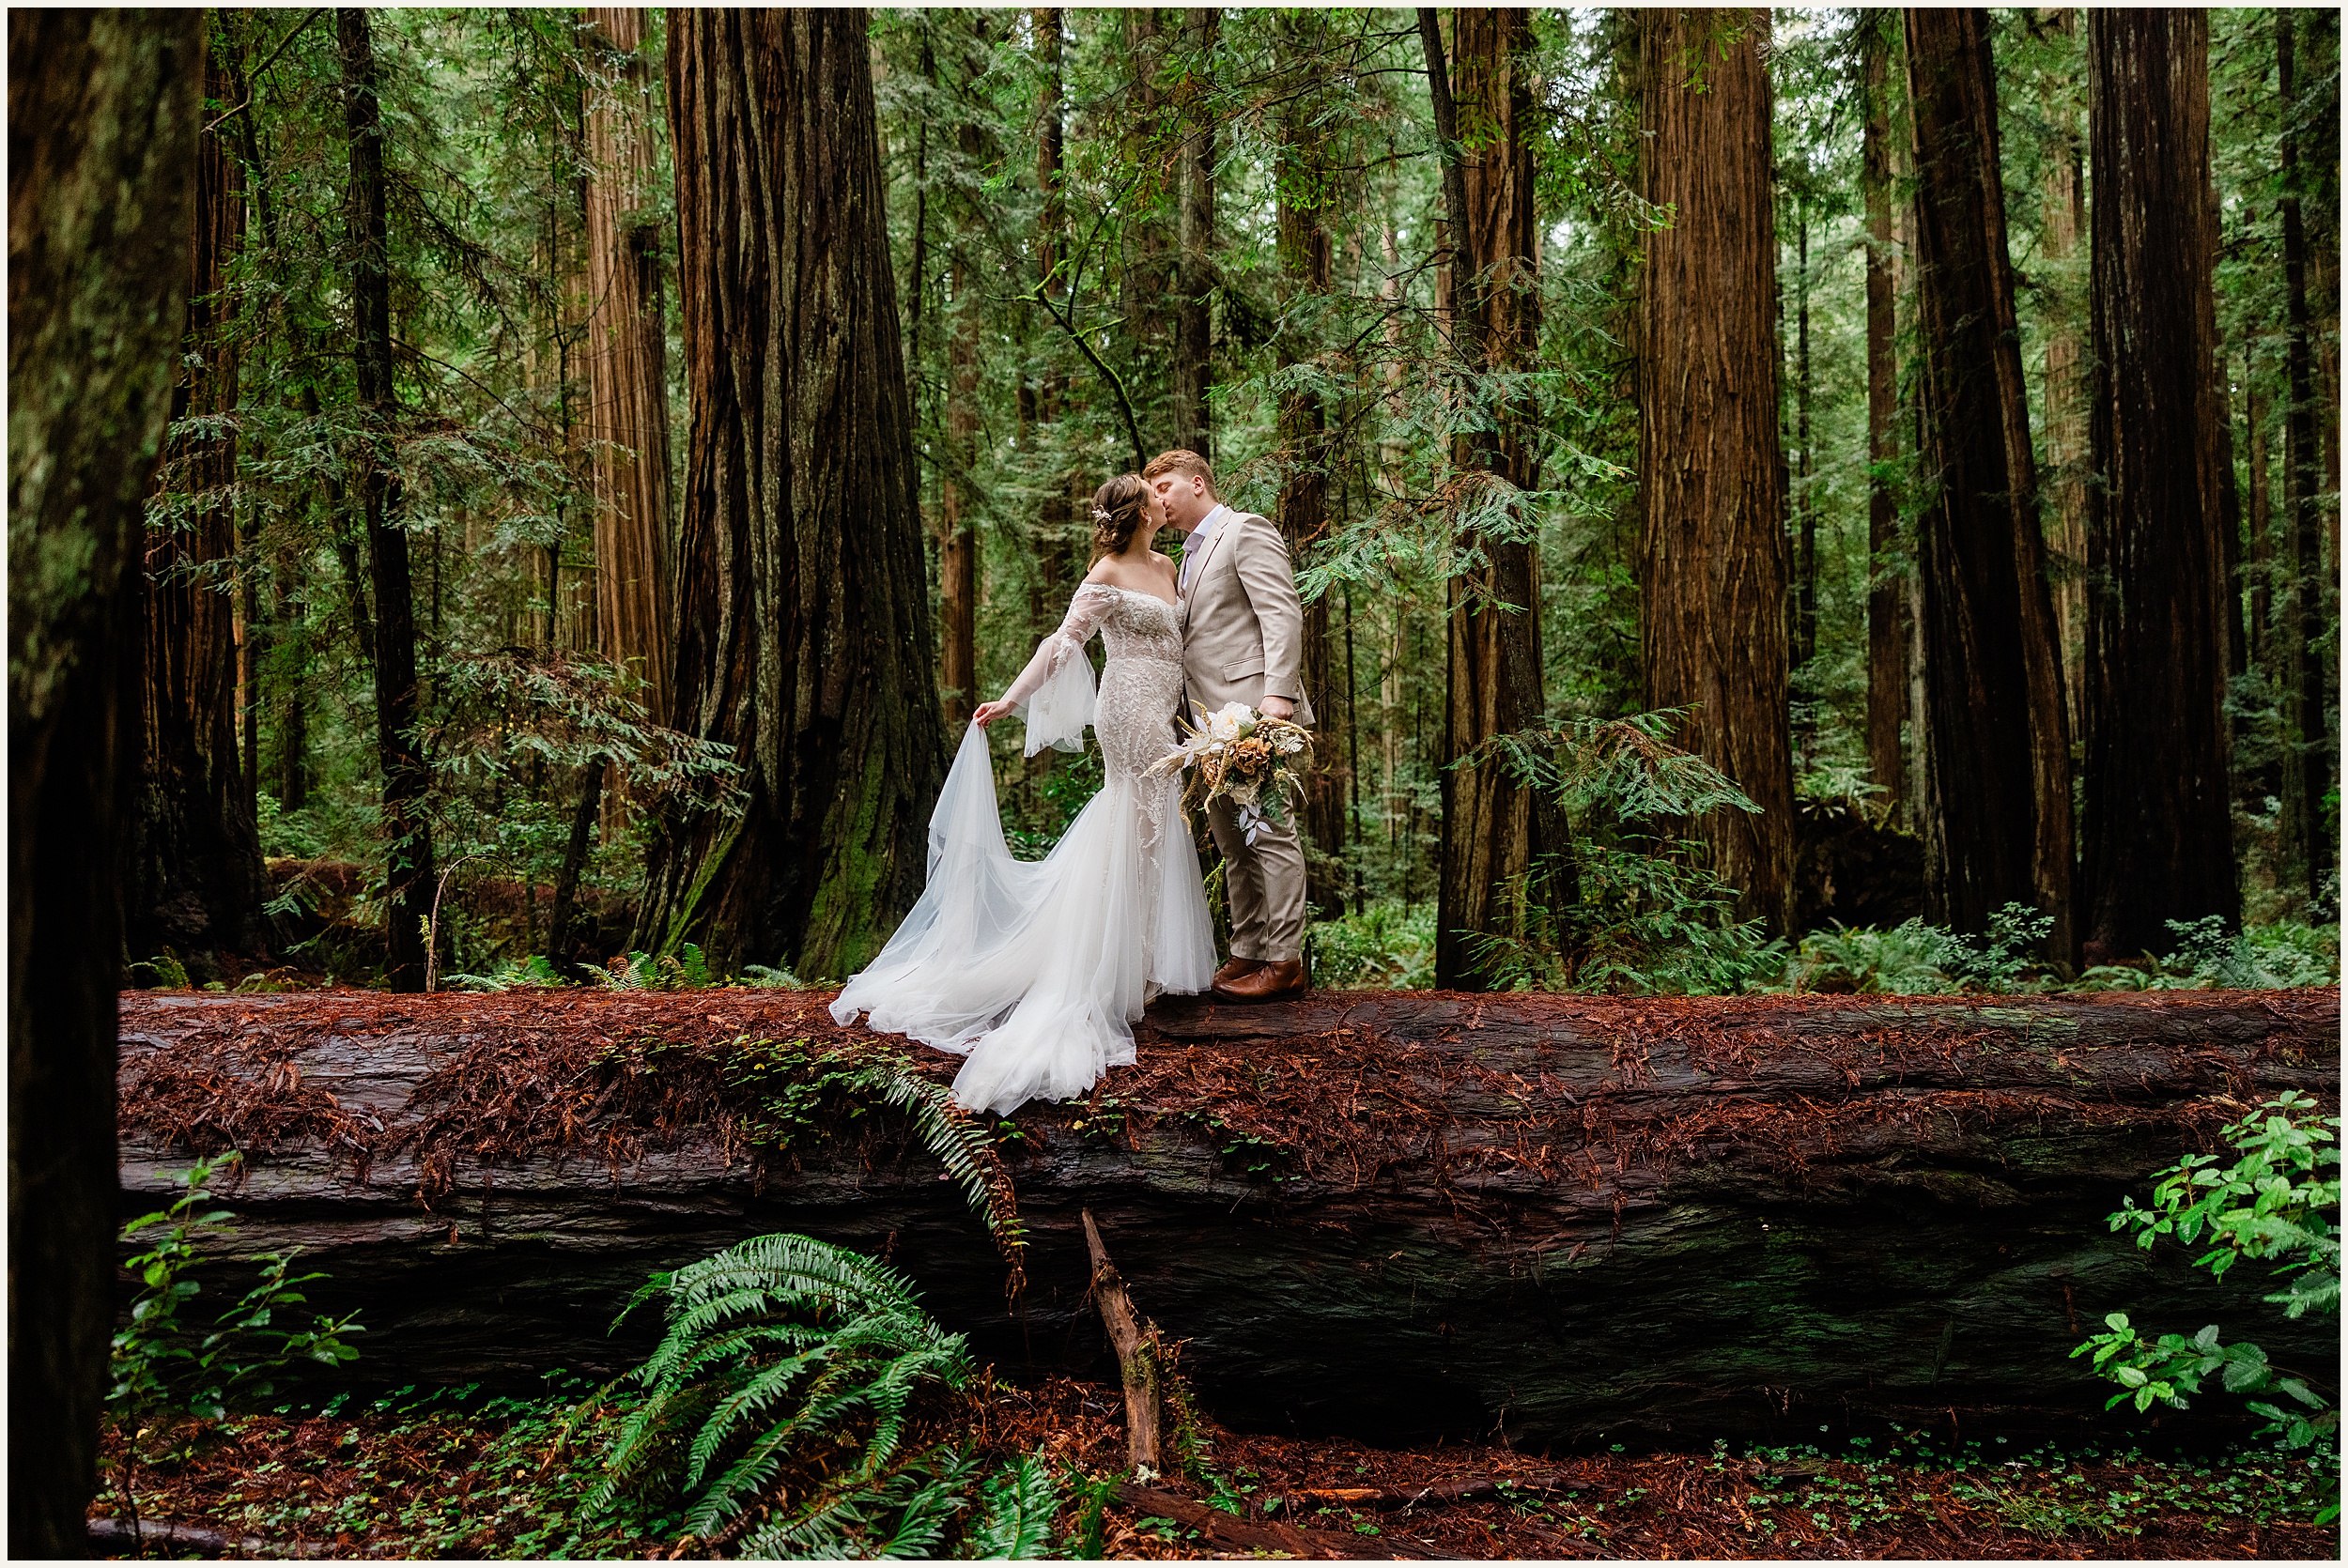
(1243, 641)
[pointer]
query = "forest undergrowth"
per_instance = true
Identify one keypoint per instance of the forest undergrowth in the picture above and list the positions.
(423, 1473)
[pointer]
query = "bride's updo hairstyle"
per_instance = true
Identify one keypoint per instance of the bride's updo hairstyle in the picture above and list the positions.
(1116, 513)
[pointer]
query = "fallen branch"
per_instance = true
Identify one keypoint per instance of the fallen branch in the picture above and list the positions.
(1137, 1346)
(1482, 1489)
(116, 1535)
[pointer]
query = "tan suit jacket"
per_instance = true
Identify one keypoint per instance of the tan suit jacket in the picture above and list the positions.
(1242, 626)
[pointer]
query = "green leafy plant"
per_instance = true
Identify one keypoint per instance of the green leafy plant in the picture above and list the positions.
(2209, 957)
(786, 1356)
(682, 970)
(2275, 1203)
(530, 973)
(1912, 959)
(1387, 945)
(163, 972)
(173, 1378)
(163, 1364)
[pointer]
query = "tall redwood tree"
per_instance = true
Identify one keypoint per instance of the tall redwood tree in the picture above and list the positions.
(803, 625)
(1712, 550)
(407, 828)
(1496, 831)
(2158, 827)
(627, 351)
(196, 880)
(1887, 628)
(1996, 816)
(103, 112)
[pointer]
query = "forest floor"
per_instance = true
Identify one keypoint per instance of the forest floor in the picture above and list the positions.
(429, 1478)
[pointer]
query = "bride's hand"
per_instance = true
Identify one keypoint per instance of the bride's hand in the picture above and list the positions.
(987, 713)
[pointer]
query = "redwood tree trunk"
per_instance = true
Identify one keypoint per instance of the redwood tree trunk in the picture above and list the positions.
(103, 112)
(196, 880)
(2064, 209)
(407, 828)
(1056, 516)
(1304, 503)
(1503, 845)
(627, 350)
(960, 555)
(803, 626)
(1997, 812)
(1887, 634)
(1194, 316)
(2306, 848)
(1712, 550)
(2159, 834)
(958, 552)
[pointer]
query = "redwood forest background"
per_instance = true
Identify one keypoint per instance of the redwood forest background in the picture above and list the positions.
(1806, 500)
(1936, 425)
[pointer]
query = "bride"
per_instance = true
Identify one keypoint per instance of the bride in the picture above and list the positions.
(1035, 970)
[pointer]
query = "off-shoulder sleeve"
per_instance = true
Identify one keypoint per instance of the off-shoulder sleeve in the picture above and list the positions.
(1057, 685)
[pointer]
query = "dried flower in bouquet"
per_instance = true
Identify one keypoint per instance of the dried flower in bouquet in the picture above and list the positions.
(1237, 754)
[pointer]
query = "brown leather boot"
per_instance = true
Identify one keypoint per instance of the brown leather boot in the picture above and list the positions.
(1271, 982)
(1233, 968)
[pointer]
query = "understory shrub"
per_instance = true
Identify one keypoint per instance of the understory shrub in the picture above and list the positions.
(1388, 945)
(2279, 1204)
(1635, 906)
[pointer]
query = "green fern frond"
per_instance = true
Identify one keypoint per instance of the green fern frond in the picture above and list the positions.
(1016, 1509)
(775, 1349)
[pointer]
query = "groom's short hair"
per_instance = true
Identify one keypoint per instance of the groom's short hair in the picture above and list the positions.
(1183, 462)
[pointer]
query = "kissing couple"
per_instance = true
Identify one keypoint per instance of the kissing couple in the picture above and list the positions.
(1035, 971)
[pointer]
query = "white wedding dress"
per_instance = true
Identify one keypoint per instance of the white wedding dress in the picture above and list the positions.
(1035, 970)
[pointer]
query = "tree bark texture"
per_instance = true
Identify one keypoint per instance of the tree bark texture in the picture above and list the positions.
(2307, 849)
(627, 348)
(1056, 516)
(103, 112)
(2159, 827)
(1388, 1214)
(1996, 820)
(803, 625)
(1194, 283)
(196, 880)
(1304, 501)
(1503, 844)
(1886, 630)
(958, 554)
(2066, 392)
(407, 829)
(1712, 548)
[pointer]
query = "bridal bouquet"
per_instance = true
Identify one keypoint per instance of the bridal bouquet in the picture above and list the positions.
(1239, 755)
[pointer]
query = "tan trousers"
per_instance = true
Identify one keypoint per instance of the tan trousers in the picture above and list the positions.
(1264, 884)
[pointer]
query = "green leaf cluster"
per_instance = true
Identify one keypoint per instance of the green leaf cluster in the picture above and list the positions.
(2277, 1203)
(167, 1367)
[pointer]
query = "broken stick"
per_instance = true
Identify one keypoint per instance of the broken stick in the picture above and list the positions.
(1137, 1346)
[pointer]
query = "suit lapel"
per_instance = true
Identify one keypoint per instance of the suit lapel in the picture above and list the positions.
(1198, 574)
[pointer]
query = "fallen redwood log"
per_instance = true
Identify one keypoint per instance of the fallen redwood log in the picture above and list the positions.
(1400, 1214)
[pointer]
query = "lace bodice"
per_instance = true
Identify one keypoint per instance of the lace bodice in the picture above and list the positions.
(1133, 626)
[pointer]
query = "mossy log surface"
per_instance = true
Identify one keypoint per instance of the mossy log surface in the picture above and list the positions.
(1388, 1213)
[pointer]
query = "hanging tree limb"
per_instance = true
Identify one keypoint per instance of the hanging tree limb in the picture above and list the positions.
(1117, 383)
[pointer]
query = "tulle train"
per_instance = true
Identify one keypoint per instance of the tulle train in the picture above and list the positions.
(1035, 970)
